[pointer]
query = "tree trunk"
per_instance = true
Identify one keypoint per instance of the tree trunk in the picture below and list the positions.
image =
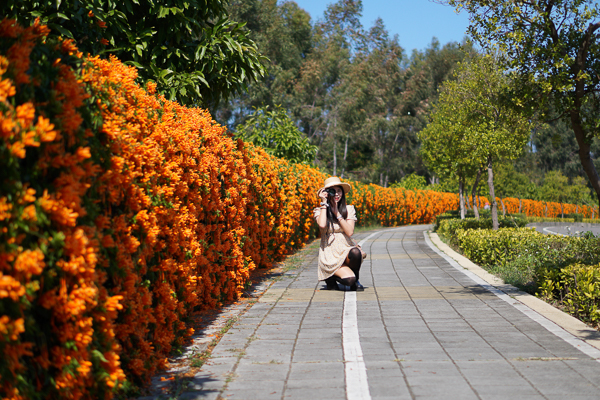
(474, 195)
(584, 146)
(461, 196)
(503, 208)
(562, 211)
(345, 156)
(520, 205)
(334, 160)
(495, 225)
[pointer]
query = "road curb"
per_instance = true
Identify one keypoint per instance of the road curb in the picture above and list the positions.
(567, 322)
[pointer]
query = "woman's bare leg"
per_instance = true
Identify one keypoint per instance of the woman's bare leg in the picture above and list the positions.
(344, 272)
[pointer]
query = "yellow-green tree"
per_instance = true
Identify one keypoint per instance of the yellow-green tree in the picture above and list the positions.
(553, 48)
(475, 124)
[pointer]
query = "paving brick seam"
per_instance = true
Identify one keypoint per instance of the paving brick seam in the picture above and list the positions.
(518, 306)
(412, 395)
(285, 385)
(429, 248)
(427, 329)
(525, 310)
(234, 369)
(428, 325)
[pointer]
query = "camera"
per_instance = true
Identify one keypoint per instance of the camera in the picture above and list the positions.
(330, 192)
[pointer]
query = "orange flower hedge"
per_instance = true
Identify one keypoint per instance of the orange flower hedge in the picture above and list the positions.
(121, 213)
(535, 208)
(56, 317)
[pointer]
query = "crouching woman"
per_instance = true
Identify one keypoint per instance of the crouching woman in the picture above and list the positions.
(339, 258)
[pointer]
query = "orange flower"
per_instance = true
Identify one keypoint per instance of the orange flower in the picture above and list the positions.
(30, 262)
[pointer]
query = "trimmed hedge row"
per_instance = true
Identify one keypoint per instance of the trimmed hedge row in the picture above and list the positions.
(446, 225)
(575, 288)
(560, 269)
(487, 247)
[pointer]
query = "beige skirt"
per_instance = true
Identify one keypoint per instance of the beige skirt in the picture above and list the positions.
(333, 251)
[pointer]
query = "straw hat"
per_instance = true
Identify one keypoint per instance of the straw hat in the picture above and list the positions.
(335, 181)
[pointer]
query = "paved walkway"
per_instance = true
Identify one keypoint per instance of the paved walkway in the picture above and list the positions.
(422, 329)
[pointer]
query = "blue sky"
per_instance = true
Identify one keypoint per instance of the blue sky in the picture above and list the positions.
(415, 21)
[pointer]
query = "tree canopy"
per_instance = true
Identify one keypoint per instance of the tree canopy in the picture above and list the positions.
(194, 52)
(553, 47)
(475, 123)
(274, 131)
(352, 90)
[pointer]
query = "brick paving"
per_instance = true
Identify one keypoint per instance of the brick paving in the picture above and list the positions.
(427, 331)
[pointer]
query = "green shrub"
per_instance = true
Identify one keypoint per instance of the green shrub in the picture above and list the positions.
(468, 214)
(545, 219)
(488, 247)
(576, 288)
(575, 217)
(447, 228)
(520, 272)
(560, 269)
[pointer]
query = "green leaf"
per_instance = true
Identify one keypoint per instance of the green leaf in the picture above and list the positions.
(63, 31)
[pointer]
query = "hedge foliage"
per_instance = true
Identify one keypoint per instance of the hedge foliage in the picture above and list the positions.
(576, 288)
(563, 270)
(447, 227)
(487, 247)
(121, 213)
(548, 209)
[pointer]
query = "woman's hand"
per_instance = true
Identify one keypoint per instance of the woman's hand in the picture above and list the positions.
(322, 218)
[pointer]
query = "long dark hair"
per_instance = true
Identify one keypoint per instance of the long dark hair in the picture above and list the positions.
(331, 219)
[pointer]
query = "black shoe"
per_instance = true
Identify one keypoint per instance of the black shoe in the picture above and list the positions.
(331, 284)
(357, 287)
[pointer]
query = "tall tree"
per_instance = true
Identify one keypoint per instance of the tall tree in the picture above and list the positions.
(274, 131)
(449, 144)
(554, 48)
(485, 125)
(351, 90)
(194, 52)
(284, 34)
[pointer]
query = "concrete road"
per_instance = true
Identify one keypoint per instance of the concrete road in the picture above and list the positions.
(565, 228)
(422, 329)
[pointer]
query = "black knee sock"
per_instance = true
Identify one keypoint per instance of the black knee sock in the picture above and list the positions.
(355, 257)
(331, 283)
(346, 281)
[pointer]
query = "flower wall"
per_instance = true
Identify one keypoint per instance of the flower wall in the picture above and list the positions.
(121, 213)
(535, 208)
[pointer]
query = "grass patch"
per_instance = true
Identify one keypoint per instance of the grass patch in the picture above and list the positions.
(366, 228)
(198, 361)
(519, 273)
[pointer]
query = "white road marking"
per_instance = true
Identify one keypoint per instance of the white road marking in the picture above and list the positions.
(368, 237)
(540, 319)
(357, 384)
(552, 232)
